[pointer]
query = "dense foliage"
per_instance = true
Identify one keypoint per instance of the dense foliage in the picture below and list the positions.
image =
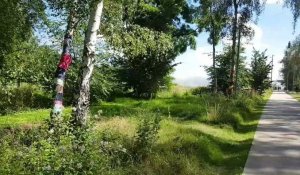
(141, 40)
(17, 20)
(147, 36)
(260, 71)
(290, 70)
(223, 63)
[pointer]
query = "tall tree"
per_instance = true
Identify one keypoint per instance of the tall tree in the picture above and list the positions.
(244, 32)
(291, 65)
(212, 17)
(260, 71)
(88, 63)
(148, 35)
(246, 9)
(223, 63)
(18, 18)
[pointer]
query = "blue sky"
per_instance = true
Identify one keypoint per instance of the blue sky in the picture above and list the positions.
(273, 31)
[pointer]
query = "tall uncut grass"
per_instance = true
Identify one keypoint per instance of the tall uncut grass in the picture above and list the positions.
(177, 133)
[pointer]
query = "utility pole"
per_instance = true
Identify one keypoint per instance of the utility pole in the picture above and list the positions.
(288, 71)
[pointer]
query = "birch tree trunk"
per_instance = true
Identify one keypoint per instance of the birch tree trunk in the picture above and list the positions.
(80, 114)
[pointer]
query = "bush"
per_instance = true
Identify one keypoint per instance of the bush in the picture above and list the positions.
(222, 110)
(145, 138)
(24, 97)
(60, 152)
(200, 90)
(63, 149)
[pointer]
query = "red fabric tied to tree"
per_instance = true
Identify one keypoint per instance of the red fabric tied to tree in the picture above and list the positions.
(65, 61)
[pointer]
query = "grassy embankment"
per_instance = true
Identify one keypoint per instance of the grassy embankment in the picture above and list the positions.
(295, 96)
(203, 134)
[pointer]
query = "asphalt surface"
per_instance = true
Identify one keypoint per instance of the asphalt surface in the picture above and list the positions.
(276, 146)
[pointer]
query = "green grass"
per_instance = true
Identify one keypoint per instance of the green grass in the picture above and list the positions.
(23, 118)
(193, 147)
(196, 137)
(295, 96)
(188, 142)
(27, 118)
(180, 107)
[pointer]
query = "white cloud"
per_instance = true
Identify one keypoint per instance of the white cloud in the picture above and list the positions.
(256, 41)
(192, 70)
(192, 81)
(193, 62)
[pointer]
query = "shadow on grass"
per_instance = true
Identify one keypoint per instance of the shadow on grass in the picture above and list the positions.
(191, 151)
(185, 108)
(225, 156)
(250, 119)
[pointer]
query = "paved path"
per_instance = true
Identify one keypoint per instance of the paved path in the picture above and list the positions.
(276, 146)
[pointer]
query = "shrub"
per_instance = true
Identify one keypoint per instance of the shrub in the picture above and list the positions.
(38, 151)
(24, 97)
(113, 146)
(145, 137)
(200, 90)
(59, 148)
(222, 110)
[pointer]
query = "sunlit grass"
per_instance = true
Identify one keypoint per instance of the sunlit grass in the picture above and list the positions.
(27, 117)
(191, 147)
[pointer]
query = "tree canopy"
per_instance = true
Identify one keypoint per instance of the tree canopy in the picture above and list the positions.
(17, 21)
(146, 37)
(260, 71)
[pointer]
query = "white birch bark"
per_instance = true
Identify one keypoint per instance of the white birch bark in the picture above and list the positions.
(88, 62)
